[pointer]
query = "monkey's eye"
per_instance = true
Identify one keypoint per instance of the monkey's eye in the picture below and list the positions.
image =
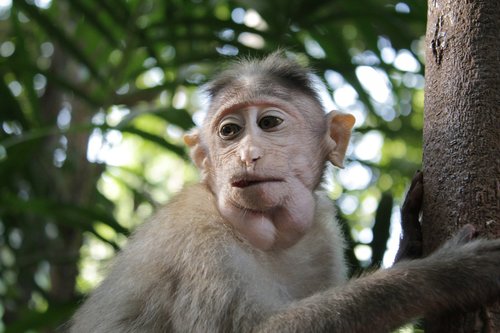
(269, 122)
(229, 131)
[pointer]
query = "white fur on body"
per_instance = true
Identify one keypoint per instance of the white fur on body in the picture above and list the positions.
(187, 271)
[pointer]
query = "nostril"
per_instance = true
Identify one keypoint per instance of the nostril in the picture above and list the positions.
(252, 162)
(250, 153)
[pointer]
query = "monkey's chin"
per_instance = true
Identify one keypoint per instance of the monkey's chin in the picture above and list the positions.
(254, 226)
(262, 197)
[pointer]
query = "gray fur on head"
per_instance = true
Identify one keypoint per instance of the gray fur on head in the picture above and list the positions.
(276, 66)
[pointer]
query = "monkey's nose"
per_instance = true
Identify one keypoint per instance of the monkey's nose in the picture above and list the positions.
(251, 161)
(250, 155)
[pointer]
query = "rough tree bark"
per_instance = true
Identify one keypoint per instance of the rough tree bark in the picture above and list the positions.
(462, 135)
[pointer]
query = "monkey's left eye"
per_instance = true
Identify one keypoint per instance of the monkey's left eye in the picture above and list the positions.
(269, 122)
(229, 131)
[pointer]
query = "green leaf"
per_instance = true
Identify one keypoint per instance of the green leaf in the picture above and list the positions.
(11, 110)
(53, 30)
(156, 139)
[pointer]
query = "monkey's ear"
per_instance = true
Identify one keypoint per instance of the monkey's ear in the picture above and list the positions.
(198, 152)
(338, 136)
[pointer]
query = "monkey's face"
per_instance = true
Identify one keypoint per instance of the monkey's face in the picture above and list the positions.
(263, 158)
(262, 154)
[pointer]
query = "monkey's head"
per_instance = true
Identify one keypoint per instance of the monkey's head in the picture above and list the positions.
(263, 146)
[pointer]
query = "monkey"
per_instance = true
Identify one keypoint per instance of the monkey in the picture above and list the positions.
(255, 246)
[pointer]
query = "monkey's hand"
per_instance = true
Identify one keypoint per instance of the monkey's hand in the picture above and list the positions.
(410, 245)
(466, 270)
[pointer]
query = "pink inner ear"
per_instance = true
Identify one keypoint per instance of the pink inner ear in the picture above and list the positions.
(191, 139)
(344, 121)
(340, 132)
(340, 128)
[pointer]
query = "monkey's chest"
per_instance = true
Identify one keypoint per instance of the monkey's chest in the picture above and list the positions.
(285, 278)
(299, 277)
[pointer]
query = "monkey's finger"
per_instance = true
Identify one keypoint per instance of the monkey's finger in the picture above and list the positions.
(463, 236)
(410, 245)
(418, 178)
(413, 200)
(467, 233)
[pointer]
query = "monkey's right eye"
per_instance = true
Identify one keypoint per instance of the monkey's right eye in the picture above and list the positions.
(229, 131)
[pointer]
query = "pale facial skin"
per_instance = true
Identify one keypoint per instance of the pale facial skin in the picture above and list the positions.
(264, 162)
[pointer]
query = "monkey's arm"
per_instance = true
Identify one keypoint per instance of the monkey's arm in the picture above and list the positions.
(458, 276)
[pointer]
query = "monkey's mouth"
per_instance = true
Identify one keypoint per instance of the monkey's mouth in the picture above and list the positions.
(242, 183)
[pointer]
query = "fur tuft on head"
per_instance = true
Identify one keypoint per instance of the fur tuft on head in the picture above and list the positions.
(276, 66)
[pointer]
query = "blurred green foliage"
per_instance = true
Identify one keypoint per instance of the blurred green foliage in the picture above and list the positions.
(95, 96)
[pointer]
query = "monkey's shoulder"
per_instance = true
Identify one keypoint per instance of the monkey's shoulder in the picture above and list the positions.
(183, 241)
(191, 208)
(189, 221)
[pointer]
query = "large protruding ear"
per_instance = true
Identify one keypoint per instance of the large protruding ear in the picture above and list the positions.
(197, 151)
(338, 136)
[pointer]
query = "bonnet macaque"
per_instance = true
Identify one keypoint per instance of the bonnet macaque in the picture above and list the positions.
(255, 246)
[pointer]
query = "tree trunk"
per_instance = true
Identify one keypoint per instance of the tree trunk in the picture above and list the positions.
(461, 135)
